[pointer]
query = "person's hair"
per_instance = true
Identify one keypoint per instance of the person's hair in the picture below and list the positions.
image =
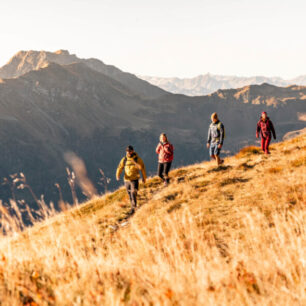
(214, 116)
(163, 134)
(129, 148)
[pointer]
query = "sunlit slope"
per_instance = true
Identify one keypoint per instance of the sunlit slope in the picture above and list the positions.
(248, 180)
(216, 236)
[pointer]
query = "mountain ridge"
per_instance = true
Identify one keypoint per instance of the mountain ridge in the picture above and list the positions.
(209, 83)
(26, 61)
(263, 94)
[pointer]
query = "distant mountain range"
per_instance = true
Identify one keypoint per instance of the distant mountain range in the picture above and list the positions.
(53, 103)
(209, 83)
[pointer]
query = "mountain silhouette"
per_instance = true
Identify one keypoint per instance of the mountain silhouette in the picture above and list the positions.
(25, 61)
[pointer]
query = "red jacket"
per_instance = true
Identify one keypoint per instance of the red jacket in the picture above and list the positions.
(165, 152)
(265, 128)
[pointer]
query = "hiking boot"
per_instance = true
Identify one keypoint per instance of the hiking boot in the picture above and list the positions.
(221, 162)
(131, 212)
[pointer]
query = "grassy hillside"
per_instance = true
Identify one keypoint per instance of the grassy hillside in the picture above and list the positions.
(216, 236)
(74, 108)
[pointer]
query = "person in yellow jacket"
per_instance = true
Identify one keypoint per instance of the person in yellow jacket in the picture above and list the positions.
(132, 165)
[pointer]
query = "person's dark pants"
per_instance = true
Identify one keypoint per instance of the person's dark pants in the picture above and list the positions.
(265, 141)
(163, 170)
(132, 189)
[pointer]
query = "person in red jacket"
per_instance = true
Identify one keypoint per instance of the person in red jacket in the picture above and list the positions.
(165, 157)
(265, 128)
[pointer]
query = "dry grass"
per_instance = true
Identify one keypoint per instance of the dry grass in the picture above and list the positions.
(219, 236)
(248, 151)
(275, 170)
(301, 161)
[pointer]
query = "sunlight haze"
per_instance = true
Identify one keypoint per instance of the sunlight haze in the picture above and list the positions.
(164, 38)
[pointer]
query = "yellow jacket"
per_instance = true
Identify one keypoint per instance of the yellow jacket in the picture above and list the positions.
(132, 167)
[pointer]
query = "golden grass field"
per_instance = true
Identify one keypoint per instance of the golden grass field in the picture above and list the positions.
(233, 235)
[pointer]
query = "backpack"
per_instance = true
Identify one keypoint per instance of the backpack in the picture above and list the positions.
(219, 128)
(125, 160)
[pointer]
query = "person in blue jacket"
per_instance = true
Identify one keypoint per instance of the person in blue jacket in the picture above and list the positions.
(215, 138)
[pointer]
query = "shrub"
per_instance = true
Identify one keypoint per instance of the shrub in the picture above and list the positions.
(245, 166)
(233, 180)
(274, 170)
(247, 151)
(179, 172)
(299, 162)
(174, 207)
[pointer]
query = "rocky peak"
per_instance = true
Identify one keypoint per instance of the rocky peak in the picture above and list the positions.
(62, 52)
(25, 61)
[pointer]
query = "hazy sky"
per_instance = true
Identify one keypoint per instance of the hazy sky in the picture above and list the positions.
(164, 37)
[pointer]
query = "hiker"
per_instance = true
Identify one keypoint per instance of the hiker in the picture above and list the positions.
(132, 165)
(265, 127)
(165, 157)
(215, 138)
